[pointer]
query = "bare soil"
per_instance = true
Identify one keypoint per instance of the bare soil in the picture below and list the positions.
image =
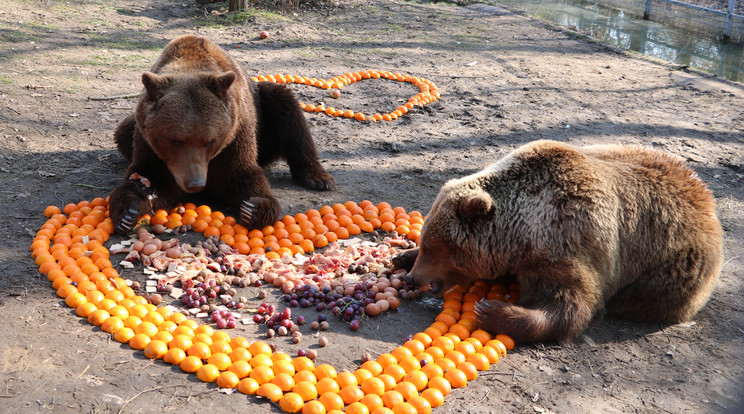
(505, 79)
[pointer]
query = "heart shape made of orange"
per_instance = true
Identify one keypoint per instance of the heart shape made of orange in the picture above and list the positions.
(452, 345)
(428, 92)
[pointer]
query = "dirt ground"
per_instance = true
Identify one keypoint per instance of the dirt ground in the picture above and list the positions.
(505, 80)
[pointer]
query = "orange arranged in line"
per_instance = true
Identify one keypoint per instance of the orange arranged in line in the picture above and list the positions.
(415, 376)
(428, 92)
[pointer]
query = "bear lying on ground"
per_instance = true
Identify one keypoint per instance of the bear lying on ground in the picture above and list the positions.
(625, 230)
(202, 127)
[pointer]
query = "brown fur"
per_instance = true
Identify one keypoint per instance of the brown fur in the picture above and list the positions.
(202, 127)
(626, 229)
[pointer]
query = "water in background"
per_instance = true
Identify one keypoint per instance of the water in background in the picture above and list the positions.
(615, 27)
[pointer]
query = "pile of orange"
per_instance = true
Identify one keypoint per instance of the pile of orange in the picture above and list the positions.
(300, 233)
(428, 92)
(412, 378)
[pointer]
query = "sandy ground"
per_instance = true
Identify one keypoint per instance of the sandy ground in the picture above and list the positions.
(505, 80)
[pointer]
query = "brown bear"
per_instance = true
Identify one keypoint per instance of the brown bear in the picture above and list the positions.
(202, 127)
(583, 230)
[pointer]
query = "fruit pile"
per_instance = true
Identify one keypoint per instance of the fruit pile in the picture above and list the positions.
(428, 92)
(412, 378)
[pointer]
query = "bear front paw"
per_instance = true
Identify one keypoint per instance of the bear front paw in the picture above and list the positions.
(126, 222)
(257, 212)
(318, 180)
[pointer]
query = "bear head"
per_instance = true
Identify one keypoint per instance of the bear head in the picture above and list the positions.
(453, 248)
(187, 119)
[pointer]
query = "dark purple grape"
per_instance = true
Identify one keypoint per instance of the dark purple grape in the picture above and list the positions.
(336, 310)
(300, 320)
(222, 323)
(321, 317)
(320, 307)
(301, 352)
(293, 303)
(257, 318)
(354, 325)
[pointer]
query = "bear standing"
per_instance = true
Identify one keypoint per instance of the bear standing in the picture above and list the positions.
(202, 127)
(625, 230)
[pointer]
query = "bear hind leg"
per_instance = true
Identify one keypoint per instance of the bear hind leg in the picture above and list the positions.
(124, 137)
(672, 294)
(283, 133)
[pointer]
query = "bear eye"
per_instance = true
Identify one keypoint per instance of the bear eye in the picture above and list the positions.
(176, 143)
(210, 143)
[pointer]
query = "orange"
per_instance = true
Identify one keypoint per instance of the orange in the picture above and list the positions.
(469, 370)
(221, 360)
(506, 340)
(444, 343)
(456, 378)
(362, 375)
(123, 335)
(372, 401)
(261, 359)
(388, 380)
(345, 379)
(418, 378)
(174, 356)
(445, 364)
(207, 373)
(262, 374)
(392, 398)
(455, 356)
(410, 364)
(331, 401)
(402, 352)
(270, 391)
(373, 367)
(481, 336)
(241, 368)
(479, 361)
(248, 386)
(432, 370)
(433, 396)
(395, 371)
(97, 317)
(283, 381)
(291, 402)
(351, 394)
(421, 404)
(227, 379)
(283, 367)
(386, 359)
(313, 407)
(423, 338)
(112, 324)
(498, 346)
(406, 389)
(260, 347)
(327, 385)
(85, 309)
(307, 376)
(139, 341)
(306, 389)
(357, 408)
(373, 385)
(240, 354)
(199, 350)
(156, 349)
(460, 330)
(441, 384)
(325, 371)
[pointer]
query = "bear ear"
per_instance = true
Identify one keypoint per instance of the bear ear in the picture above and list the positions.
(477, 204)
(219, 84)
(154, 85)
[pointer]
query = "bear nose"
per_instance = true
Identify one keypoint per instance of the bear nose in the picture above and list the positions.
(195, 185)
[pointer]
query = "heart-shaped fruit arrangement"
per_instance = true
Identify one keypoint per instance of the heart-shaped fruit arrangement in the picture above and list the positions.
(428, 92)
(412, 378)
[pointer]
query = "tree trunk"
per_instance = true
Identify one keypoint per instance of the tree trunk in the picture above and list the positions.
(238, 5)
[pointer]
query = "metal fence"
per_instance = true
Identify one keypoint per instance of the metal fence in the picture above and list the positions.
(722, 18)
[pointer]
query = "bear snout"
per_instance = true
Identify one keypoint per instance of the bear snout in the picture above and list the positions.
(195, 185)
